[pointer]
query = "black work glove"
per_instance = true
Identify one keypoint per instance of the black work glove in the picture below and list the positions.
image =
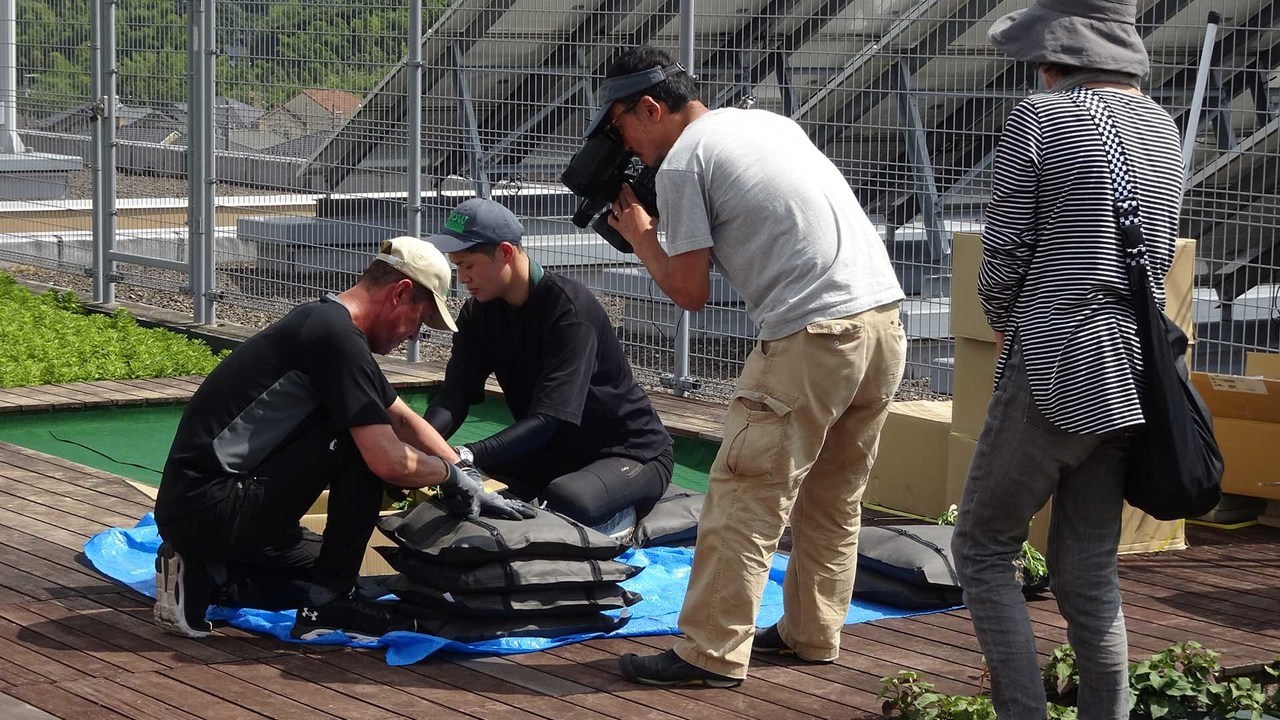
(497, 506)
(462, 490)
(464, 496)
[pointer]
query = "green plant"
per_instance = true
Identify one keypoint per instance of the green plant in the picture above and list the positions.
(909, 697)
(948, 517)
(1180, 682)
(50, 338)
(1032, 567)
(1030, 564)
(1062, 675)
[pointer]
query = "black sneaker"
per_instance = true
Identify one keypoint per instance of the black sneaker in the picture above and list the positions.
(183, 592)
(359, 619)
(669, 670)
(768, 641)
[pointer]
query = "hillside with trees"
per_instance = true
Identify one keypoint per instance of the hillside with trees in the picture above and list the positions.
(270, 51)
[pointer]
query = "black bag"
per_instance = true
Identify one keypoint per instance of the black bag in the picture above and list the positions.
(541, 601)
(429, 529)
(673, 519)
(1175, 467)
(911, 566)
(507, 575)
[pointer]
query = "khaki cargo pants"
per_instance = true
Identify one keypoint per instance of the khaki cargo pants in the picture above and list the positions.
(800, 436)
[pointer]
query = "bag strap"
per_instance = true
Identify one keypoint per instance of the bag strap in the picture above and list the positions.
(1124, 189)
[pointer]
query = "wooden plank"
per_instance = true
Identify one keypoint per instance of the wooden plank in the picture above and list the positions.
(356, 686)
(598, 670)
(22, 666)
(313, 695)
(457, 674)
(31, 399)
(41, 529)
(125, 700)
(64, 704)
(59, 636)
(19, 583)
(59, 488)
(424, 685)
(73, 472)
(97, 394)
(92, 625)
(537, 680)
(247, 695)
(60, 398)
(49, 574)
(138, 609)
(155, 393)
(121, 393)
(741, 700)
(775, 685)
(11, 708)
(52, 648)
(191, 700)
(67, 513)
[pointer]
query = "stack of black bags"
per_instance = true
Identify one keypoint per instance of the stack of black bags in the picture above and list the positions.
(471, 580)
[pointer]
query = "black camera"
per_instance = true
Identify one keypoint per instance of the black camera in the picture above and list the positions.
(596, 173)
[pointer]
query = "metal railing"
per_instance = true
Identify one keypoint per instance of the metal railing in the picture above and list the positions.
(247, 157)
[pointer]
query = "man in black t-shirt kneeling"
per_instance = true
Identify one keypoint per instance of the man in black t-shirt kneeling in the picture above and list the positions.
(299, 407)
(586, 441)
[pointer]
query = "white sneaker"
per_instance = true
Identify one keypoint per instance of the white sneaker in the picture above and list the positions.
(181, 600)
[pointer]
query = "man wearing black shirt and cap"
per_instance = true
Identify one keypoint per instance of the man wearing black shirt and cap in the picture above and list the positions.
(586, 441)
(299, 407)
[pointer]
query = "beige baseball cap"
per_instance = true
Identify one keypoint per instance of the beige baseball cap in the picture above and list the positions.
(425, 265)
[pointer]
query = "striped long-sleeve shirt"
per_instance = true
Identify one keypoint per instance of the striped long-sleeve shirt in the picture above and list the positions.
(1052, 275)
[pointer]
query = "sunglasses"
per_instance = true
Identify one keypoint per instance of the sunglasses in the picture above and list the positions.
(610, 128)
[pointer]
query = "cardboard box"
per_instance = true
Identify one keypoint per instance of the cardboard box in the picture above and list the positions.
(959, 455)
(1266, 365)
(318, 516)
(373, 564)
(971, 386)
(967, 318)
(1139, 532)
(910, 472)
(1179, 288)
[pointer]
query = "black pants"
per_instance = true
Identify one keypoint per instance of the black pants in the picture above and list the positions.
(249, 541)
(595, 493)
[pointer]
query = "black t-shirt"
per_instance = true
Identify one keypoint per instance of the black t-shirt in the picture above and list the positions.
(556, 355)
(311, 366)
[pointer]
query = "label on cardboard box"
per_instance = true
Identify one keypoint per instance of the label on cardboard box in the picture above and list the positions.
(1237, 383)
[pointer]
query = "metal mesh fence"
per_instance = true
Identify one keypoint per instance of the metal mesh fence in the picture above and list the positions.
(46, 94)
(291, 76)
(316, 110)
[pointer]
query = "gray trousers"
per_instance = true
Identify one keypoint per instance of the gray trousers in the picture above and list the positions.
(1021, 462)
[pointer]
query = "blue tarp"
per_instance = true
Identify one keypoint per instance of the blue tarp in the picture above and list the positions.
(127, 555)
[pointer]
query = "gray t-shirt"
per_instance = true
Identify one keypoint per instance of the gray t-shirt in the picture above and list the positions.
(781, 221)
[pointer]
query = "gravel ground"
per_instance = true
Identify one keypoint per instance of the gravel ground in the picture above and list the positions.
(80, 187)
(716, 361)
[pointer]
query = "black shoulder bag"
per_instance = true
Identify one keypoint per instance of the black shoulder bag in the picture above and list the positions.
(1175, 468)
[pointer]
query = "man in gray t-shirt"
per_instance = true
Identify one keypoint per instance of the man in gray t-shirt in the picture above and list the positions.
(747, 190)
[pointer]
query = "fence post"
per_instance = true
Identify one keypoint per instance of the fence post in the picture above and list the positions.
(413, 206)
(209, 163)
(681, 383)
(1197, 98)
(195, 158)
(99, 269)
(106, 113)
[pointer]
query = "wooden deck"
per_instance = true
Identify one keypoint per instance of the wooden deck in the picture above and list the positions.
(74, 645)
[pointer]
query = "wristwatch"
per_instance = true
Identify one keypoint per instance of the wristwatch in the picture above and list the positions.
(465, 456)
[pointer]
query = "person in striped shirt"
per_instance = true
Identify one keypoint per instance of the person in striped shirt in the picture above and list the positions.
(1053, 286)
